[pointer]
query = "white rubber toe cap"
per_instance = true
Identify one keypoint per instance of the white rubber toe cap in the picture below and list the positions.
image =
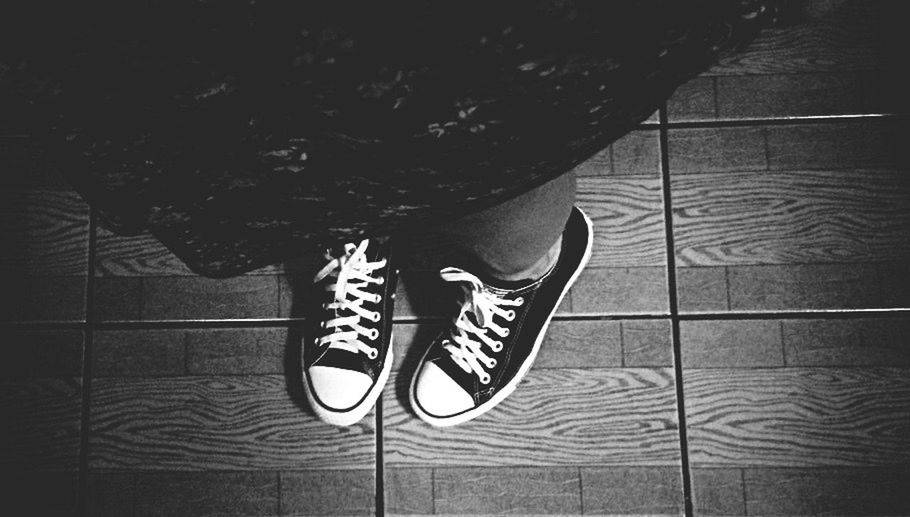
(440, 396)
(338, 388)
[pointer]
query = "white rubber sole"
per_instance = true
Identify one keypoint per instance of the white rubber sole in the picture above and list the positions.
(509, 388)
(355, 414)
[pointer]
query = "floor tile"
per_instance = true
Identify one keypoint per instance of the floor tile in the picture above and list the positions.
(848, 38)
(628, 221)
(206, 493)
(44, 262)
(723, 149)
(798, 416)
(861, 144)
(523, 491)
(718, 491)
(829, 491)
(646, 343)
(847, 342)
(558, 416)
(605, 291)
(702, 289)
(804, 217)
(41, 398)
(409, 491)
(632, 490)
(328, 492)
(217, 423)
(187, 298)
(796, 287)
(742, 344)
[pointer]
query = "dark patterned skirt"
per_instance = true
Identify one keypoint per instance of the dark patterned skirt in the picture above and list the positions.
(239, 132)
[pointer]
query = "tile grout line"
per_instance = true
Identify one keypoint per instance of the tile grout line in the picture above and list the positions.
(200, 324)
(674, 310)
(87, 341)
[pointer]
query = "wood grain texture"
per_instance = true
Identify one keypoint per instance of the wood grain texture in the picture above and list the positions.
(830, 491)
(862, 144)
(144, 255)
(798, 416)
(794, 287)
(40, 353)
(628, 221)
(849, 342)
(408, 491)
(849, 38)
(789, 95)
(716, 149)
(620, 291)
(745, 343)
(179, 298)
(718, 491)
(791, 217)
(647, 343)
(40, 423)
(42, 298)
(138, 353)
(216, 423)
(555, 417)
(44, 233)
(632, 490)
(328, 492)
(702, 289)
(521, 491)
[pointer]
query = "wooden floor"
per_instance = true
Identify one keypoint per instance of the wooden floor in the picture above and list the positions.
(764, 370)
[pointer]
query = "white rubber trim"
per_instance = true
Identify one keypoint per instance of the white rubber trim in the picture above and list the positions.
(506, 390)
(356, 413)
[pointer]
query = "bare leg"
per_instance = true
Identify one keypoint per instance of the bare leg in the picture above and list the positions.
(519, 238)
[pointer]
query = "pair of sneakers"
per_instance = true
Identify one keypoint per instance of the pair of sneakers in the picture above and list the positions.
(468, 369)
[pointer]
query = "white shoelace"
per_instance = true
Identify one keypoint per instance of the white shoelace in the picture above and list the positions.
(352, 273)
(470, 338)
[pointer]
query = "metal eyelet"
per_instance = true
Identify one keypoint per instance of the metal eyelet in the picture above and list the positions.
(374, 317)
(519, 300)
(510, 315)
(505, 332)
(373, 353)
(491, 363)
(497, 346)
(381, 281)
(377, 299)
(374, 333)
(485, 379)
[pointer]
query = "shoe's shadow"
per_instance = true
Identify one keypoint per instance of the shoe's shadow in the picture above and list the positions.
(298, 276)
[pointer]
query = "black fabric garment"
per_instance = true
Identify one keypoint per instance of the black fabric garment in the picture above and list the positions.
(238, 132)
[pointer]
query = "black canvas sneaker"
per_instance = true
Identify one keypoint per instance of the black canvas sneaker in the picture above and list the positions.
(347, 354)
(476, 363)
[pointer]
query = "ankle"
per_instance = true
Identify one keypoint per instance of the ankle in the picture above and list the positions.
(535, 270)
